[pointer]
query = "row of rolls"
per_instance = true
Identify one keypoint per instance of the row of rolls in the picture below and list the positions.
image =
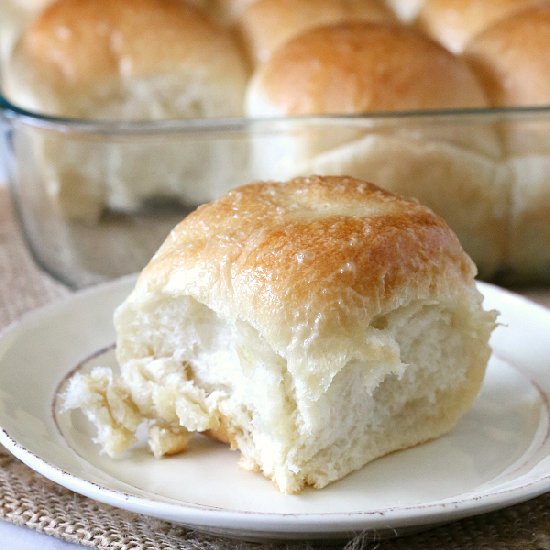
(486, 172)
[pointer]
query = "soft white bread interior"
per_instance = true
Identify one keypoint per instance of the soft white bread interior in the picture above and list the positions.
(267, 24)
(364, 68)
(314, 325)
(455, 22)
(511, 58)
(125, 60)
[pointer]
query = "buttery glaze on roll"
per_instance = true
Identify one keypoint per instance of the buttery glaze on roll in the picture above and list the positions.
(314, 325)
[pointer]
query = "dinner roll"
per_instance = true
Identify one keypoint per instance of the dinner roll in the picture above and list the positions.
(314, 325)
(267, 24)
(361, 67)
(455, 22)
(126, 60)
(109, 59)
(366, 68)
(512, 59)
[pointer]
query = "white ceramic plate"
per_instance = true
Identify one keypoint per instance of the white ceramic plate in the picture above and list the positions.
(497, 455)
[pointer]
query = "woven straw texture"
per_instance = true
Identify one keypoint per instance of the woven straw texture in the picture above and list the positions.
(28, 499)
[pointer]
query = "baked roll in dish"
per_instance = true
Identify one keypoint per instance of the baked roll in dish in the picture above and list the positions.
(358, 68)
(314, 325)
(127, 60)
(512, 59)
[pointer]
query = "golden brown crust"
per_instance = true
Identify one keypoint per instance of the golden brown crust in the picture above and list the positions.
(339, 70)
(330, 245)
(511, 57)
(76, 43)
(455, 22)
(268, 24)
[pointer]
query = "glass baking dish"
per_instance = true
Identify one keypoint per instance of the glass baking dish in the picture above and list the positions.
(96, 198)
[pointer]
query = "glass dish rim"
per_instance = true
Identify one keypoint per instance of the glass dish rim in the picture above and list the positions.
(12, 112)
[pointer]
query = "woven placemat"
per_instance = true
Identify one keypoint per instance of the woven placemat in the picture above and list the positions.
(28, 499)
